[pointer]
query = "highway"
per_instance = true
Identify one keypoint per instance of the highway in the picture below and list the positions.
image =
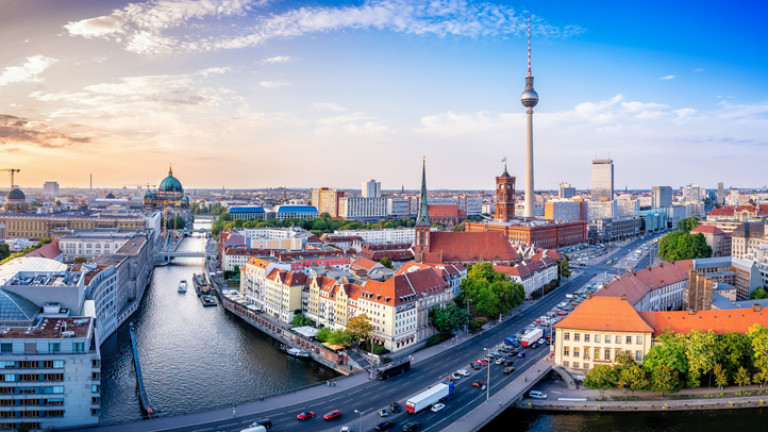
(371, 396)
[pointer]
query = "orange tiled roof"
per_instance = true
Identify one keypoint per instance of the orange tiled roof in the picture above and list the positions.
(709, 229)
(403, 288)
(444, 210)
(364, 263)
(636, 286)
(469, 247)
(605, 314)
(719, 321)
(288, 278)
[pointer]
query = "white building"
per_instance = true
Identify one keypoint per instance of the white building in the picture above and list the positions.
(563, 210)
(382, 236)
(565, 190)
(601, 209)
(399, 207)
(602, 179)
(627, 207)
(51, 188)
(371, 189)
(362, 208)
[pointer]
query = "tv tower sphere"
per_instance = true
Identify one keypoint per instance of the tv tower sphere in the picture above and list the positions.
(529, 98)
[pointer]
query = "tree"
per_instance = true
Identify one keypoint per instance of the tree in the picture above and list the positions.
(733, 351)
(601, 377)
(386, 262)
(339, 337)
(635, 377)
(700, 351)
(5, 251)
(721, 376)
(680, 245)
(490, 292)
(323, 334)
(669, 352)
(564, 269)
(359, 328)
(80, 260)
(688, 224)
(742, 378)
(664, 380)
(758, 294)
(758, 335)
(449, 318)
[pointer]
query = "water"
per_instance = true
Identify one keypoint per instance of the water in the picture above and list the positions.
(537, 421)
(189, 354)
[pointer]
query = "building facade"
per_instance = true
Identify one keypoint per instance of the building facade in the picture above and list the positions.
(371, 189)
(36, 227)
(661, 197)
(565, 190)
(51, 188)
(602, 179)
(326, 200)
(362, 208)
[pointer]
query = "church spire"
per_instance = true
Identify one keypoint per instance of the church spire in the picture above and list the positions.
(170, 170)
(423, 217)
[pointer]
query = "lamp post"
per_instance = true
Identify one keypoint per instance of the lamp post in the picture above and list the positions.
(488, 380)
(234, 403)
(361, 418)
(468, 315)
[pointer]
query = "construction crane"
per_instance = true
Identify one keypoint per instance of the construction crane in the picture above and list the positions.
(12, 171)
(139, 186)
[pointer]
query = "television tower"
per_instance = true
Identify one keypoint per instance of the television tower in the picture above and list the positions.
(529, 99)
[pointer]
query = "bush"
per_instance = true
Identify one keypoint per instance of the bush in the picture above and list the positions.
(377, 349)
(547, 289)
(437, 338)
(476, 323)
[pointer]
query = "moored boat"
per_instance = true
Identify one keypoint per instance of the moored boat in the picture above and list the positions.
(183, 286)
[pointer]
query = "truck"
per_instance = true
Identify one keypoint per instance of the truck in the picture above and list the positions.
(394, 369)
(427, 398)
(511, 340)
(531, 337)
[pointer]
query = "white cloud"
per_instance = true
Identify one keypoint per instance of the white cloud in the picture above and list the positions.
(352, 123)
(28, 72)
(140, 27)
(277, 59)
(667, 77)
(699, 70)
(272, 84)
(328, 106)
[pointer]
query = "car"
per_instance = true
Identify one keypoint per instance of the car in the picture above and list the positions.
(332, 415)
(395, 407)
(509, 370)
(477, 383)
(456, 376)
(562, 313)
(535, 394)
(306, 415)
(500, 361)
(514, 352)
(411, 426)
(521, 355)
(384, 426)
(505, 349)
(521, 331)
(463, 372)
(534, 346)
(541, 341)
(383, 413)
(474, 366)
(438, 407)
(267, 423)
(509, 363)
(481, 362)
(345, 429)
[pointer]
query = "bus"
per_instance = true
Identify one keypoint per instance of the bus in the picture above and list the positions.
(393, 369)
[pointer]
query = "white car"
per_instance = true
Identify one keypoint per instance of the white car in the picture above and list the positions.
(456, 376)
(500, 361)
(438, 407)
(383, 413)
(463, 372)
(345, 429)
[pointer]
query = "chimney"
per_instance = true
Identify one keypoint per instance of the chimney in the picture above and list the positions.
(623, 297)
(589, 296)
(691, 312)
(756, 307)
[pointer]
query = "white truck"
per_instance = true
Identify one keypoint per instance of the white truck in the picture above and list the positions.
(429, 397)
(531, 337)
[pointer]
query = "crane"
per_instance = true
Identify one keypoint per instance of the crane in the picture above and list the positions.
(139, 186)
(12, 171)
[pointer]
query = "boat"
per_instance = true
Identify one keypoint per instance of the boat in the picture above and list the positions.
(201, 284)
(295, 352)
(208, 300)
(183, 286)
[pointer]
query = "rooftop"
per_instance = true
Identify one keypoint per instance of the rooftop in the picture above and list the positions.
(605, 314)
(50, 328)
(719, 321)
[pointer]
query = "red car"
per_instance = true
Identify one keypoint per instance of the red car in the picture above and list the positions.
(306, 415)
(481, 362)
(477, 383)
(332, 415)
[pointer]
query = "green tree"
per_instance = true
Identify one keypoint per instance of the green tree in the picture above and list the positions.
(669, 352)
(679, 245)
(701, 353)
(635, 377)
(340, 337)
(460, 227)
(359, 328)
(490, 292)
(758, 294)
(733, 351)
(5, 251)
(758, 335)
(688, 224)
(742, 378)
(564, 269)
(601, 378)
(664, 380)
(386, 262)
(721, 376)
(323, 334)
(80, 260)
(449, 318)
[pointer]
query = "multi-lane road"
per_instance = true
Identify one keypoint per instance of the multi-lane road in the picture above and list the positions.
(370, 396)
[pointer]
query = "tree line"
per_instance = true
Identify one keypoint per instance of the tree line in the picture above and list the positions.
(691, 360)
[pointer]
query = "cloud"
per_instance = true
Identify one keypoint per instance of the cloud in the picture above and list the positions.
(328, 106)
(28, 72)
(143, 27)
(18, 130)
(699, 70)
(356, 123)
(668, 77)
(277, 59)
(272, 84)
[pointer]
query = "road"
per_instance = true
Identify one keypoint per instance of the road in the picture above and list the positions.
(370, 396)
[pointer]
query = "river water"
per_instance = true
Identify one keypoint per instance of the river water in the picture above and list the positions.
(190, 354)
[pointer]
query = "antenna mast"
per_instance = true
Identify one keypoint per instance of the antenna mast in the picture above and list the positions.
(529, 45)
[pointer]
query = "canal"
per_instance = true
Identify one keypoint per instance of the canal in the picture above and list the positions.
(191, 356)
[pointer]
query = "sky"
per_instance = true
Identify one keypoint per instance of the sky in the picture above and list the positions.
(270, 93)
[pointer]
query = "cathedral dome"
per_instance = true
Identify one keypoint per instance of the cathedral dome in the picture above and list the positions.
(170, 184)
(17, 195)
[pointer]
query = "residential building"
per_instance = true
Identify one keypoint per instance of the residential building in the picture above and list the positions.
(362, 208)
(720, 193)
(602, 179)
(658, 288)
(253, 276)
(565, 190)
(371, 189)
(399, 207)
(452, 274)
(51, 188)
(326, 200)
(51, 371)
(532, 274)
(717, 239)
(381, 236)
(692, 192)
(283, 294)
(602, 209)
(748, 237)
(628, 206)
(661, 197)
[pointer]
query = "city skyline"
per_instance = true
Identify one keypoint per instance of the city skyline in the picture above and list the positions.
(259, 94)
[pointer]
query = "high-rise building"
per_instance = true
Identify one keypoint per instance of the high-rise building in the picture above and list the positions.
(327, 200)
(529, 99)
(720, 193)
(51, 188)
(566, 191)
(661, 197)
(371, 189)
(692, 192)
(602, 179)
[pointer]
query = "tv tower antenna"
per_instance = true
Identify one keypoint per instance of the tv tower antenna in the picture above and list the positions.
(529, 45)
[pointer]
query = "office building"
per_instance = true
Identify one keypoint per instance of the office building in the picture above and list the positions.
(371, 189)
(39, 226)
(692, 193)
(661, 197)
(602, 179)
(565, 190)
(564, 210)
(327, 200)
(720, 193)
(358, 208)
(51, 188)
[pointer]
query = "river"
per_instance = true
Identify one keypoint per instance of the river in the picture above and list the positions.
(190, 354)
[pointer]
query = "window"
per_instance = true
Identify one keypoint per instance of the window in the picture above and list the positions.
(78, 347)
(639, 340)
(6, 347)
(617, 352)
(586, 353)
(597, 338)
(586, 337)
(566, 364)
(576, 337)
(54, 402)
(566, 336)
(576, 365)
(54, 347)
(638, 355)
(576, 352)
(607, 354)
(618, 339)
(566, 351)
(58, 364)
(586, 365)
(94, 388)
(629, 340)
(597, 353)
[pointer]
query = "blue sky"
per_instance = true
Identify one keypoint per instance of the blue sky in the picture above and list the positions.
(246, 93)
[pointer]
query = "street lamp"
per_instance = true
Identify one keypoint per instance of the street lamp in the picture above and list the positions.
(361, 418)
(468, 315)
(234, 403)
(488, 380)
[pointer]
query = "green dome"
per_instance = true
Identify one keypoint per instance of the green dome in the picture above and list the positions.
(170, 184)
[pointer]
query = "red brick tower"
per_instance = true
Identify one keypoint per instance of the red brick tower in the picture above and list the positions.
(505, 196)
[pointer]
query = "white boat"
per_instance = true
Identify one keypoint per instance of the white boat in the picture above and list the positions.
(183, 286)
(297, 352)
